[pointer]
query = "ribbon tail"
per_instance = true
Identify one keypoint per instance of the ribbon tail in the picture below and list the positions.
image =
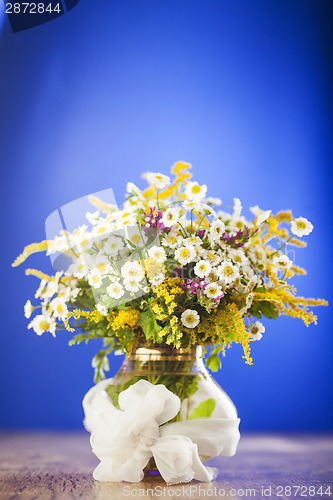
(178, 461)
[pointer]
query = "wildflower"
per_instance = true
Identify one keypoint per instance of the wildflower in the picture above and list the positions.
(28, 309)
(170, 217)
(256, 330)
(95, 279)
(261, 215)
(301, 226)
(216, 230)
(171, 240)
(213, 291)
(190, 205)
(101, 264)
(132, 270)
(184, 255)
(190, 318)
(131, 188)
(157, 180)
(202, 268)
(131, 285)
(93, 217)
(157, 253)
(59, 308)
(194, 192)
(115, 290)
(113, 245)
(43, 323)
(157, 279)
(102, 309)
(213, 201)
(238, 256)
(237, 207)
(227, 272)
(282, 262)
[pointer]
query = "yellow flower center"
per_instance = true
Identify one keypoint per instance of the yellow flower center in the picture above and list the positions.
(135, 238)
(60, 308)
(84, 242)
(94, 279)
(171, 239)
(228, 271)
(185, 253)
(101, 267)
(190, 318)
(101, 230)
(196, 189)
(300, 224)
(44, 325)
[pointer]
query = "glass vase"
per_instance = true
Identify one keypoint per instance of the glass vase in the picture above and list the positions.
(183, 373)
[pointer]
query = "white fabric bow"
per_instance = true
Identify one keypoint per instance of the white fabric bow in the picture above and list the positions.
(124, 440)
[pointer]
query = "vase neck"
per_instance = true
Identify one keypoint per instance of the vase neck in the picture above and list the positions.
(156, 353)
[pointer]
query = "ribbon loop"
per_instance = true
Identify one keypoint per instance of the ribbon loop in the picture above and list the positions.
(125, 439)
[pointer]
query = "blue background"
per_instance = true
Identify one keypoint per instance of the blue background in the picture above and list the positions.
(240, 89)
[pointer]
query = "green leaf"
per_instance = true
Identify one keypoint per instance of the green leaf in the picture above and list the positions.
(268, 309)
(204, 410)
(149, 324)
(213, 362)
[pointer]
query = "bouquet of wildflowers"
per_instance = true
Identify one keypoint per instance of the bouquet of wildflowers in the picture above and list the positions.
(170, 268)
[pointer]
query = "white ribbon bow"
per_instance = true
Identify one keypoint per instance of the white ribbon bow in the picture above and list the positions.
(124, 440)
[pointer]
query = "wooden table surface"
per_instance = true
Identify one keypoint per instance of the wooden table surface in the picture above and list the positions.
(60, 465)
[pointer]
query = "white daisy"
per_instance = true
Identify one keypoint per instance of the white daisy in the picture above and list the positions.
(190, 318)
(131, 285)
(135, 238)
(216, 230)
(131, 188)
(202, 268)
(257, 254)
(101, 229)
(213, 201)
(43, 323)
(132, 270)
(237, 207)
(238, 257)
(207, 209)
(28, 309)
(113, 245)
(115, 290)
(282, 262)
(101, 264)
(212, 257)
(59, 308)
(160, 181)
(227, 272)
(186, 254)
(213, 290)
(194, 192)
(261, 215)
(170, 217)
(157, 279)
(257, 330)
(93, 217)
(102, 309)
(301, 226)
(157, 253)
(191, 205)
(95, 279)
(212, 277)
(171, 240)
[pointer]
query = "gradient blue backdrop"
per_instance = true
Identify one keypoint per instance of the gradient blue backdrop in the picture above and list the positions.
(238, 88)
